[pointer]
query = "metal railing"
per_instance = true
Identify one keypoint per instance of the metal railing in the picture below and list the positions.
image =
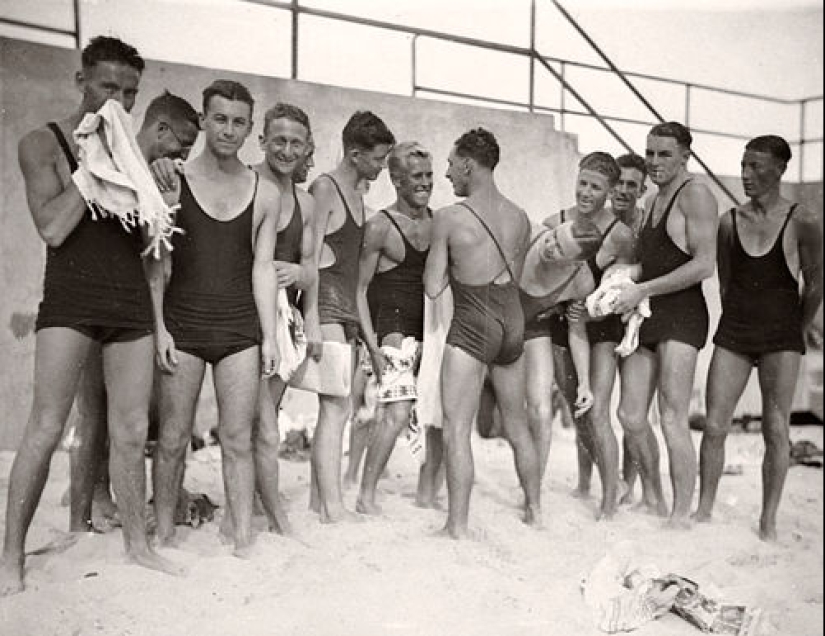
(536, 60)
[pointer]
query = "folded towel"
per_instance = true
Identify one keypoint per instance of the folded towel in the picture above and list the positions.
(114, 179)
(438, 315)
(290, 337)
(398, 377)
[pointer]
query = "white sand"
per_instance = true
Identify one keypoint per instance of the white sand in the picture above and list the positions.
(390, 576)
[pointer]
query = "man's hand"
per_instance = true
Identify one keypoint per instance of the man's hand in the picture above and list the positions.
(584, 400)
(379, 363)
(270, 357)
(166, 173)
(166, 355)
(288, 273)
(576, 311)
(630, 295)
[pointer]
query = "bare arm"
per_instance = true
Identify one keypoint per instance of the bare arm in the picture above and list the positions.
(375, 233)
(580, 352)
(264, 274)
(312, 322)
(809, 231)
(435, 271)
(723, 246)
(55, 208)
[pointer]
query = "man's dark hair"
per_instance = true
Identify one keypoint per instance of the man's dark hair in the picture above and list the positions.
(287, 111)
(105, 49)
(604, 164)
(774, 145)
(228, 89)
(634, 161)
(674, 130)
(175, 108)
(479, 144)
(365, 131)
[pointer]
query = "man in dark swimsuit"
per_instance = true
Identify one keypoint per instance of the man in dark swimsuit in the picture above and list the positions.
(94, 289)
(396, 243)
(547, 350)
(286, 142)
(478, 248)
(169, 129)
(677, 251)
(218, 309)
(765, 245)
(339, 231)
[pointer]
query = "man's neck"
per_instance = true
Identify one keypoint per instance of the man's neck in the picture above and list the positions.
(483, 187)
(283, 181)
(346, 175)
(666, 190)
(209, 163)
(413, 212)
(764, 204)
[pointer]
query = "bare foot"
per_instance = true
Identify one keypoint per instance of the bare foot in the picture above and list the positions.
(429, 503)
(627, 499)
(279, 524)
(367, 507)
(453, 532)
(606, 513)
(243, 550)
(153, 561)
(338, 515)
(701, 516)
(349, 483)
(678, 523)
(532, 517)
(767, 532)
(578, 493)
(11, 577)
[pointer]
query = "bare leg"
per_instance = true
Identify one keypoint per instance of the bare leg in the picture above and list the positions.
(178, 399)
(727, 377)
(629, 473)
(602, 377)
(777, 380)
(90, 437)
(567, 382)
(395, 418)
(266, 442)
(127, 369)
(58, 359)
(333, 413)
(538, 361)
(431, 474)
(360, 427)
(677, 365)
(638, 386)
(508, 382)
(237, 380)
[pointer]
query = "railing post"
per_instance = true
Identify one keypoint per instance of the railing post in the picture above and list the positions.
(294, 39)
(802, 103)
(532, 89)
(414, 64)
(78, 40)
(687, 105)
(561, 101)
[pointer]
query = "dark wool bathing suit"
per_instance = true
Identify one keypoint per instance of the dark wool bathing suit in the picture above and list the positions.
(488, 322)
(337, 283)
(209, 306)
(398, 293)
(681, 315)
(289, 240)
(761, 310)
(94, 281)
(554, 325)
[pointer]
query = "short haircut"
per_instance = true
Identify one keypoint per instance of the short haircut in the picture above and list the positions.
(481, 145)
(175, 108)
(774, 145)
(604, 164)
(587, 236)
(105, 49)
(366, 130)
(634, 161)
(675, 130)
(282, 110)
(228, 89)
(398, 160)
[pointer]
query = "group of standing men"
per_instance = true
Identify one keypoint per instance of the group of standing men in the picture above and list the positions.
(517, 305)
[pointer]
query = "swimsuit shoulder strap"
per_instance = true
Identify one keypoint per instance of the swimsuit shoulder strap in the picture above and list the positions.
(61, 139)
(495, 242)
(395, 224)
(340, 194)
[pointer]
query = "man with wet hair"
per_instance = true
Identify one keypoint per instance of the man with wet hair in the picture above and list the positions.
(677, 251)
(478, 248)
(767, 246)
(339, 233)
(94, 290)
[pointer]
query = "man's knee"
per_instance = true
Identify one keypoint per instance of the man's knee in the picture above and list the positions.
(236, 440)
(267, 435)
(46, 429)
(541, 410)
(633, 421)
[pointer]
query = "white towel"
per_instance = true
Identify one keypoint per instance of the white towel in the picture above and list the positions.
(603, 300)
(114, 179)
(290, 336)
(398, 377)
(438, 314)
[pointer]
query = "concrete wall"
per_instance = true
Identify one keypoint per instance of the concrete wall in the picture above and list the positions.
(537, 168)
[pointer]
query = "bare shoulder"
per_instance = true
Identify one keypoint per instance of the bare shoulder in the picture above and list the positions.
(321, 188)
(805, 219)
(376, 226)
(269, 194)
(554, 220)
(698, 198)
(38, 145)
